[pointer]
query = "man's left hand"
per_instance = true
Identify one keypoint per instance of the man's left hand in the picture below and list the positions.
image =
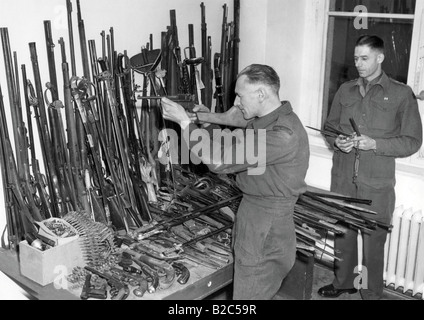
(175, 112)
(364, 143)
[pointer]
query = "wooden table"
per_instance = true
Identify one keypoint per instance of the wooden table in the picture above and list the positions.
(202, 283)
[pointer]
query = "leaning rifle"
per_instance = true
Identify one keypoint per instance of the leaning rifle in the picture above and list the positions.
(44, 132)
(61, 155)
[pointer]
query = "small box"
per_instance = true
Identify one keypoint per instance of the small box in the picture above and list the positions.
(44, 266)
(61, 225)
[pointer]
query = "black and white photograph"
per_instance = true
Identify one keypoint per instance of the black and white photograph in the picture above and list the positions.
(214, 157)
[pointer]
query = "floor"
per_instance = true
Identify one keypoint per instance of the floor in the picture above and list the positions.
(322, 276)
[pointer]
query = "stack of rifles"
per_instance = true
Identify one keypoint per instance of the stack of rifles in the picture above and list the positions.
(96, 151)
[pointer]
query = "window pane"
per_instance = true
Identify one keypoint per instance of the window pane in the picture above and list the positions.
(375, 6)
(342, 36)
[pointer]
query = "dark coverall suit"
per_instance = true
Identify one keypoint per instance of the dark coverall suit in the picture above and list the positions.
(386, 111)
(265, 240)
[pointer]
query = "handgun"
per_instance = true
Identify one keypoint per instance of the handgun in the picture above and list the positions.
(187, 101)
(182, 272)
(121, 289)
(88, 291)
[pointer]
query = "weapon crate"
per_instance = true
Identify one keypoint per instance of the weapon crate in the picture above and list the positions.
(43, 267)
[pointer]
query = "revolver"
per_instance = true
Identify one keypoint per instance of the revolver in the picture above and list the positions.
(182, 272)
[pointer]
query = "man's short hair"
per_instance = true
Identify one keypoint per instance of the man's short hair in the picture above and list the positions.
(372, 41)
(261, 74)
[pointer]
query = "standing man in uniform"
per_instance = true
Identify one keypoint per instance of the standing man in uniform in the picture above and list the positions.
(386, 113)
(265, 240)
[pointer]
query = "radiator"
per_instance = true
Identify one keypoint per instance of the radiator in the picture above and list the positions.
(404, 253)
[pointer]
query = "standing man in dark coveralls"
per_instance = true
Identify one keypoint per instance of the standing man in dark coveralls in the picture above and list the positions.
(389, 122)
(265, 240)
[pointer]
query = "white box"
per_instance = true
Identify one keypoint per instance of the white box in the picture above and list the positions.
(44, 266)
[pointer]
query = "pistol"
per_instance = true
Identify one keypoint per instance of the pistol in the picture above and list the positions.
(121, 289)
(182, 272)
(187, 101)
(89, 292)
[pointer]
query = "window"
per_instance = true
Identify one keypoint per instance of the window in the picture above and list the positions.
(392, 20)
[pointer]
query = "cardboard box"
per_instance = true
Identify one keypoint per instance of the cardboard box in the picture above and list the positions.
(44, 266)
(71, 235)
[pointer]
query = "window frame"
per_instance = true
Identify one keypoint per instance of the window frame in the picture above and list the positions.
(318, 27)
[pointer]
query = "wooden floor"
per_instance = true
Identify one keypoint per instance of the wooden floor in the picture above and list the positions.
(323, 275)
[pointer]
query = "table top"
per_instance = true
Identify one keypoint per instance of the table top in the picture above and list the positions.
(203, 282)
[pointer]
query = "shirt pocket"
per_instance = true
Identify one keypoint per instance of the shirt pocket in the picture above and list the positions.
(348, 111)
(383, 114)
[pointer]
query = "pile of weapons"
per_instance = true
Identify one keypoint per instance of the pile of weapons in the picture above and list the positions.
(191, 226)
(317, 214)
(101, 159)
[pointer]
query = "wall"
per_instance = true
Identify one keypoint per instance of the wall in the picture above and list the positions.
(132, 20)
(273, 33)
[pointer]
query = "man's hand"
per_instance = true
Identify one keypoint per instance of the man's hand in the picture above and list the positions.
(364, 143)
(345, 144)
(194, 117)
(174, 112)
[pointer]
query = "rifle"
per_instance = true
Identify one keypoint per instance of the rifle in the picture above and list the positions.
(61, 155)
(12, 182)
(39, 179)
(196, 84)
(11, 86)
(148, 121)
(72, 141)
(116, 212)
(173, 83)
(207, 74)
(79, 157)
(19, 130)
(11, 211)
(71, 36)
(43, 128)
(134, 145)
(106, 77)
(86, 73)
(97, 84)
(224, 56)
(229, 66)
(14, 225)
(236, 40)
(179, 219)
(83, 43)
(191, 55)
(81, 97)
